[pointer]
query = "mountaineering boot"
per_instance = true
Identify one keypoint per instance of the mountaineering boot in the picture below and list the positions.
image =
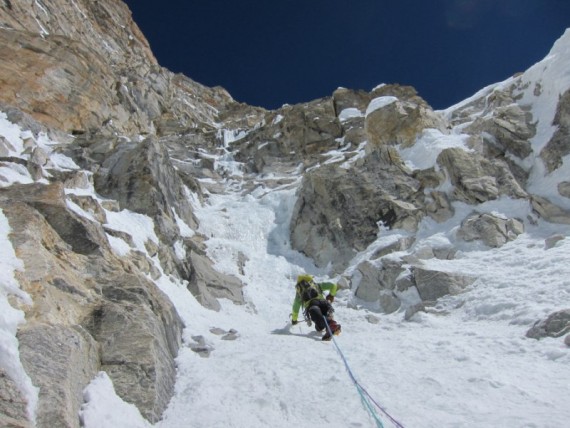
(334, 328)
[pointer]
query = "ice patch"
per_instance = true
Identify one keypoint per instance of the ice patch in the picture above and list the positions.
(423, 154)
(349, 113)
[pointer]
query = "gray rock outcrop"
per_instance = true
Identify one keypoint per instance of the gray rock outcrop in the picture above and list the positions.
(556, 324)
(401, 118)
(339, 211)
(432, 284)
(494, 231)
(139, 334)
(61, 361)
(477, 179)
(76, 281)
(383, 280)
(13, 407)
(378, 282)
(507, 130)
(142, 178)
(85, 69)
(549, 211)
(291, 135)
(559, 146)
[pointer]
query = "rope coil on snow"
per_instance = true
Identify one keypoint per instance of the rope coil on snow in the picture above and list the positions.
(366, 398)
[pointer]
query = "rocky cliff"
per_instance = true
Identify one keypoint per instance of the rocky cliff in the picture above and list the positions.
(104, 155)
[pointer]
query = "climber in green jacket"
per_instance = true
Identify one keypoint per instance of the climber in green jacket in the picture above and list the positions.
(316, 307)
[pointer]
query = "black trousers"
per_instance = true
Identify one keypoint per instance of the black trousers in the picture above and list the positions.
(317, 310)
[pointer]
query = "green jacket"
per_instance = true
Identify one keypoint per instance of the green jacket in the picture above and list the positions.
(325, 286)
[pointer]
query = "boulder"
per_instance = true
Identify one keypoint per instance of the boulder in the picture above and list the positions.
(372, 319)
(426, 307)
(350, 106)
(552, 240)
(344, 99)
(399, 119)
(208, 285)
(549, 211)
(438, 248)
(433, 284)
(370, 285)
(400, 244)
(556, 324)
(439, 207)
(493, 230)
(377, 282)
(389, 302)
(5, 147)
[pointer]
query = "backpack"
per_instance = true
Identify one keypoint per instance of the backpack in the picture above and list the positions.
(308, 290)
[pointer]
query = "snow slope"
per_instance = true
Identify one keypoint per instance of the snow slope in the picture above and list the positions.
(470, 364)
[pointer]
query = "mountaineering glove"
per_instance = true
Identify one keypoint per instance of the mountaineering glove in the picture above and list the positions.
(294, 322)
(330, 298)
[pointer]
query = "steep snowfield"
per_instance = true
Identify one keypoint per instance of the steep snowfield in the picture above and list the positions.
(468, 365)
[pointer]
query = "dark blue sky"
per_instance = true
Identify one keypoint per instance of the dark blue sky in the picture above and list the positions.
(271, 52)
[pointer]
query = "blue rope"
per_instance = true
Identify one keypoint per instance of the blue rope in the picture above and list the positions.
(365, 397)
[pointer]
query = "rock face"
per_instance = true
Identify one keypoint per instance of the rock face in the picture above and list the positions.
(139, 334)
(85, 66)
(339, 210)
(61, 361)
(83, 295)
(13, 412)
(291, 135)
